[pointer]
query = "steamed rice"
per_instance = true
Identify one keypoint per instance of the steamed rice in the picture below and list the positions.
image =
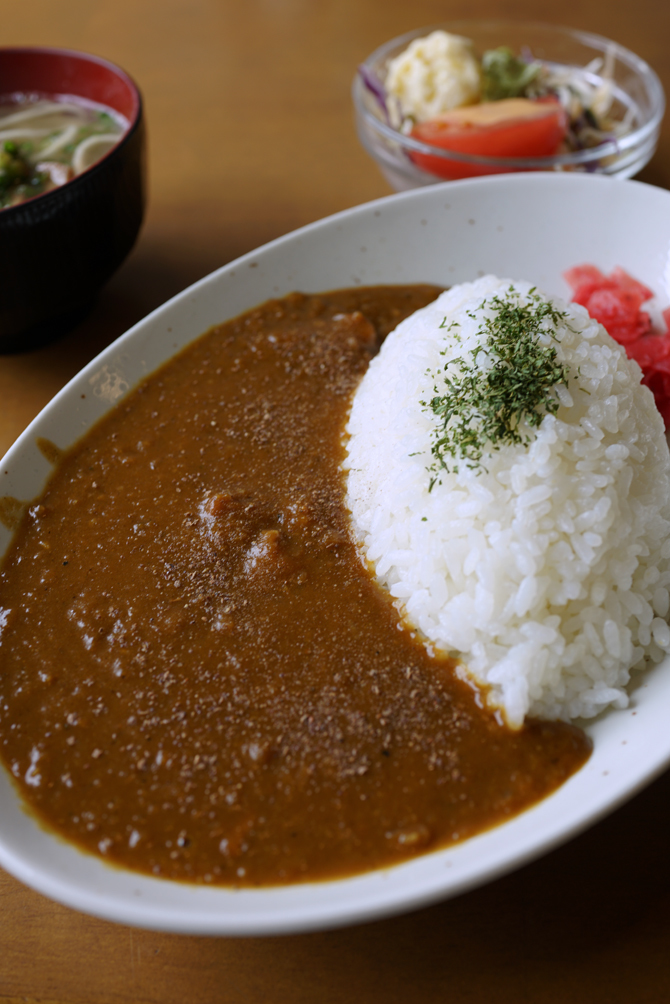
(547, 569)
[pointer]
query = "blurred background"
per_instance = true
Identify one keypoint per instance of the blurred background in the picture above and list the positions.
(250, 135)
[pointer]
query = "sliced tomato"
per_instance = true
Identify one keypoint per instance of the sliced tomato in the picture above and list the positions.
(514, 127)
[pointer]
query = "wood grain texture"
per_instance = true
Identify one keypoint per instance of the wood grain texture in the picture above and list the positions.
(588, 923)
(251, 135)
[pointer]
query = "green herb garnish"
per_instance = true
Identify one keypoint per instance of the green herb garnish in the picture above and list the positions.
(13, 167)
(508, 379)
(15, 172)
(505, 76)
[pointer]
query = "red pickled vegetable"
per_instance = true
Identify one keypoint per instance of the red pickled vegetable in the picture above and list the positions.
(615, 300)
(619, 312)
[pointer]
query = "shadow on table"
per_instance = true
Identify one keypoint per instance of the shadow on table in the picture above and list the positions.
(589, 922)
(179, 247)
(585, 923)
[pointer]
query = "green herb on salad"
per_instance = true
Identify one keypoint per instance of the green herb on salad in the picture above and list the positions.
(506, 76)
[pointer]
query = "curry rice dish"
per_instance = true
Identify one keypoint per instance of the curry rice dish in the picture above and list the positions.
(510, 483)
(199, 678)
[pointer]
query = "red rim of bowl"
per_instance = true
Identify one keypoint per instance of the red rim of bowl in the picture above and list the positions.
(41, 66)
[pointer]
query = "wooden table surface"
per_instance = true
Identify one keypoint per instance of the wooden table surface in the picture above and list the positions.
(251, 135)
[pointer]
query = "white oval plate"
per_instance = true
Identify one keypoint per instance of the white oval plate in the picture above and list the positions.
(530, 226)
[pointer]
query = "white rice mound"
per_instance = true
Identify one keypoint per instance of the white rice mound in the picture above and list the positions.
(548, 573)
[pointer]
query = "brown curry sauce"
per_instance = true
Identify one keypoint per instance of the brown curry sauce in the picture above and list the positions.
(198, 677)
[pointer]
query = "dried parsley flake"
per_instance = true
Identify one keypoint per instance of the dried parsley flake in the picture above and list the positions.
(509, 378)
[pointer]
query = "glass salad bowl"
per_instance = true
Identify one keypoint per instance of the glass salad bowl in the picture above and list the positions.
(609, 102)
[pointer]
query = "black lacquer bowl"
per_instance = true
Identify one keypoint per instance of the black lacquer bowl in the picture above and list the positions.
(58, 249)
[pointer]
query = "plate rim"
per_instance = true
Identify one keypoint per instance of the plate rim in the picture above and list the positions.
(305, 918)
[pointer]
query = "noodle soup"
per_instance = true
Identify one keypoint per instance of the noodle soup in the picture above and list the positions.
(45, 142)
